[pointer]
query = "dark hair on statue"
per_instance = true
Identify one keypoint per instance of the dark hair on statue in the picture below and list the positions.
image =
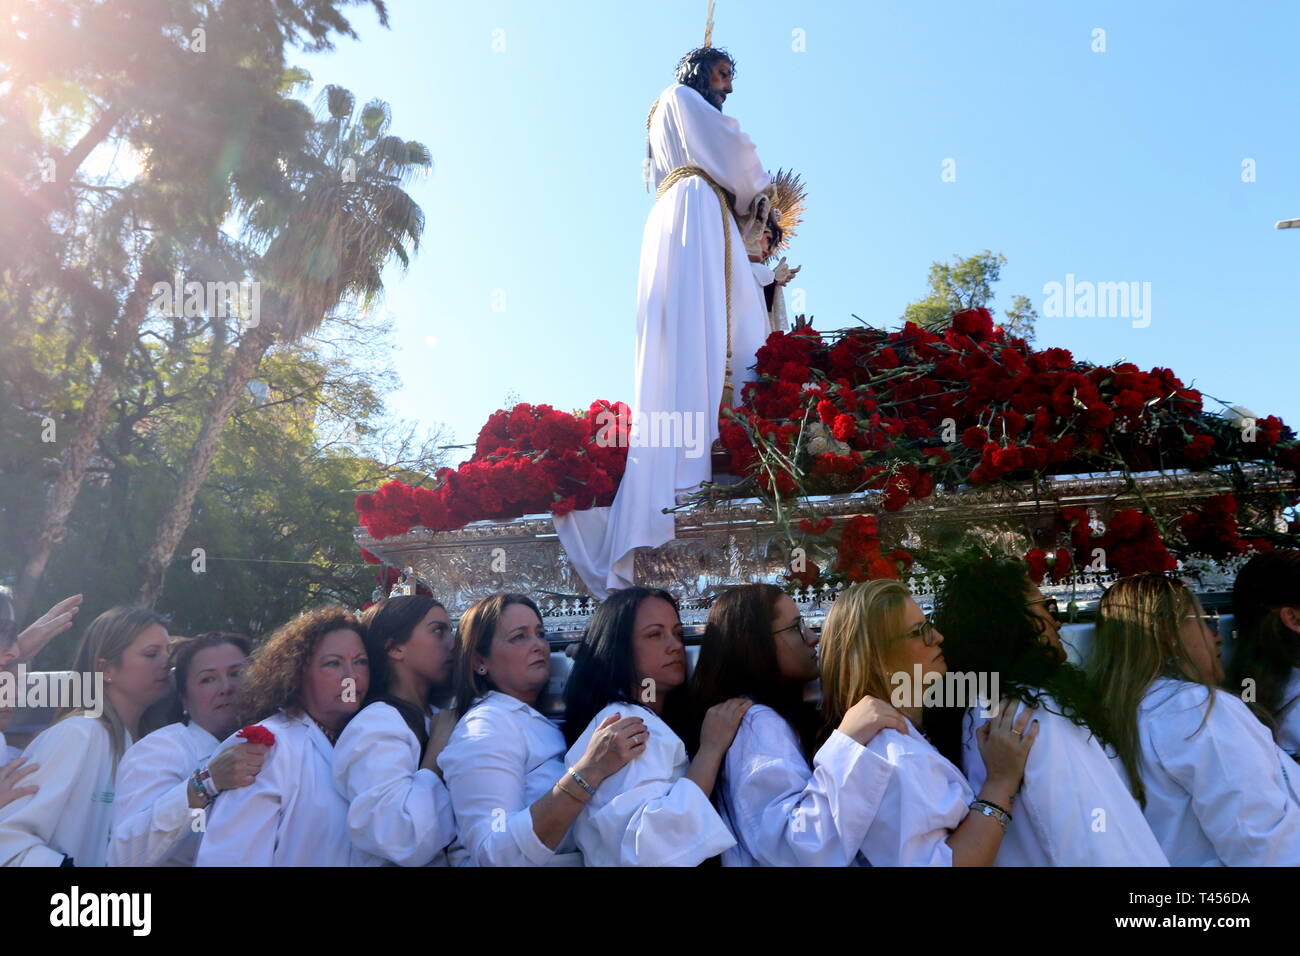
(1266, 649)
(696, 67)
(987, 626)
(778, 234)
(604, 671)
(389, 624)
(738, 659)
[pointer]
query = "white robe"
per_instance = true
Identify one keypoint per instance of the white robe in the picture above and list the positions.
(71, 813)
(502, 758)
(153, 823)
(291, 815)
(1215, 794)
(925, 799)
(681, 334)
(1073, 809)
(1288, 716)
(783, 813)
(8, 753)
(398, 812)
(647, 813)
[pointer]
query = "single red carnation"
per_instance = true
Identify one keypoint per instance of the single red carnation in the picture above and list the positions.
(257, 734)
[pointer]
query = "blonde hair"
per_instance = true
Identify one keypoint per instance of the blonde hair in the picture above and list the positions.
(861, 622)
(1138, 640)
(107, 639)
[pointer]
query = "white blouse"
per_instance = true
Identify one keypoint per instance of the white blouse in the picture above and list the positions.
(647, 813)
(1073, 808)
(925, 799)
(291, 815)
(1216, 785)
(71, 813)
(502, 758)
(1288, 716)
(784, 813)
(153, 823)
(397, 812)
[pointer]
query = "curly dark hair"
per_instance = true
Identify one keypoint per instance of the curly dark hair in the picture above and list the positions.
(983, 614)
(696, 67)
(273, 678)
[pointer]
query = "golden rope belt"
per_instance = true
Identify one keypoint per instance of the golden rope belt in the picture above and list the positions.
(676, 176)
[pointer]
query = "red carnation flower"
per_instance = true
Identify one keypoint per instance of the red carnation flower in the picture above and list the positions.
(1061, 567)
(1037, 561)
(818, 527)
(257, 734)
(844, 428)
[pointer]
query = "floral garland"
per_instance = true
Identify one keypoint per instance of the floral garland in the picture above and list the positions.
(898, 413)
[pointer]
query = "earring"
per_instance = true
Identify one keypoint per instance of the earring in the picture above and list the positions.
(482, 670)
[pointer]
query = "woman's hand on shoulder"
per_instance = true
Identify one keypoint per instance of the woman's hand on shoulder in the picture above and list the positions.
(868, 717)
(443, 723)
(721, 722)
(1005, 741)
(617, 741)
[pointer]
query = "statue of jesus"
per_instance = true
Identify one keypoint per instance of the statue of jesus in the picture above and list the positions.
(701, 317)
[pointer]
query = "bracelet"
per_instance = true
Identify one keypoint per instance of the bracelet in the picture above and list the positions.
(197, 788)
(572, 794)
(582, 783)
(209, 785)
(989, 810)
(996, 807)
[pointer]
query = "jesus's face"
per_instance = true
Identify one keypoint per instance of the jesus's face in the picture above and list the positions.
(720, 80)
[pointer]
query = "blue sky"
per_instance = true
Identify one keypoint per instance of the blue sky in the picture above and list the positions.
(1115, 166)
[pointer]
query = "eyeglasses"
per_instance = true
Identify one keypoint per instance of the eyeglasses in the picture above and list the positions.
(805, 632)
(1052, 608)
(926, 631)
(1209, 620)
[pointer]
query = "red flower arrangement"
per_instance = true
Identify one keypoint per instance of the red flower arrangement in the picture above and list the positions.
(529, 459)
(893, 412)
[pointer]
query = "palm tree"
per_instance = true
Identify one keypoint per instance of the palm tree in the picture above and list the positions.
(341, 215)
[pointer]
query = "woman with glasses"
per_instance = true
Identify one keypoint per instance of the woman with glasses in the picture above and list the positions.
(788, 802)
(876, 638)
(1074, 809)
(514, 796)
(385, 764)
(1266, 603)
(655, 811)
(1211, 781)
